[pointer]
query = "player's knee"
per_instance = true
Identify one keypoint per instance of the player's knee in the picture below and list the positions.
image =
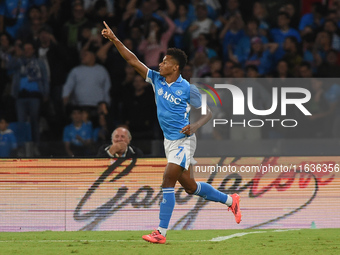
(190, 190)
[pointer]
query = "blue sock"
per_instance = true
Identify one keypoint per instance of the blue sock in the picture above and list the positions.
(167, 206)
(208, 192)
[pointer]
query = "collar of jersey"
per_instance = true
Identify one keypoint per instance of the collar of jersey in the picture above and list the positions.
(179, 79)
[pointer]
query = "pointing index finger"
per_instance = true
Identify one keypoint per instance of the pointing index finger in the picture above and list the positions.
(106, 25)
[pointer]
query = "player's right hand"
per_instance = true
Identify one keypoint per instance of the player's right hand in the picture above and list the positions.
(107, 32)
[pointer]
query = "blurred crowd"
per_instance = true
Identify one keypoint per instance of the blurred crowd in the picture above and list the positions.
(59, 74)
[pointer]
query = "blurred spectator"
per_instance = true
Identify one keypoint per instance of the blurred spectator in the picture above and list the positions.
(200, 64)
(90, 38)
(203, 43)
(30, 85)
(231, 35)
(59, 12)
(101, 133)
(202, 24)
(334, 15)
(182, 24)
(282, 69)
(227, 69)
(260, 14)
(322, 45)
(139, 110)
(330, 66)
(215, 67)
(187, 71)
(261, 55)
(232, 8)
(8, 142)
(294, 17)
(71, 29)
(56, 59)
(89, 5)
(85, 117)
(120, 146)
(243, 47)
(101, 12)
(103, 110)
(13, 15)
(115, 64)
(292, 55)
(30, 30)
(144, 15)
(213, 7)
(87, 84)
(155, 44)
(280, 33)
(331, 27)
(100, 7)
(314, 18)
(77, 136)
(252, 71)
(308, 49)
(305, 70)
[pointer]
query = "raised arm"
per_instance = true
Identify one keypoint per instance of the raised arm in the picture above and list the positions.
(129, 56)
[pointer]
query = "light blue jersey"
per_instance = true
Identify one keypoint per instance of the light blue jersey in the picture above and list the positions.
(173, 103)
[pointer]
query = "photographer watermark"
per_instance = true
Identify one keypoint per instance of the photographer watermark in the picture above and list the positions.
(301, 97)
(268, 168)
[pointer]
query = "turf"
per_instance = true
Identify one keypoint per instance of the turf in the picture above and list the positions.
(304, 241)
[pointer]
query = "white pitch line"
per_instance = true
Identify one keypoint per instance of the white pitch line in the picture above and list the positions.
(222, 238)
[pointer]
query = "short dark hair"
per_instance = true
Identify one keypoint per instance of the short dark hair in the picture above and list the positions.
(179, 56)
(306, 64)
(252, 67)
(283, 13)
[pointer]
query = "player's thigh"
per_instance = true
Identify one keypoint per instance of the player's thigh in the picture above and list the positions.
(188, 181)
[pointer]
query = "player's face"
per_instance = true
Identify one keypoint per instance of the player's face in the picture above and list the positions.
(121, 135)
(167, 66)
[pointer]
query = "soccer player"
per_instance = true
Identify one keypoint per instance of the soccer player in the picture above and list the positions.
(174, 95)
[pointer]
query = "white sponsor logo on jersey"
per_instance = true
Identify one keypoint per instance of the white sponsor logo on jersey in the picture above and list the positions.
(171, 98)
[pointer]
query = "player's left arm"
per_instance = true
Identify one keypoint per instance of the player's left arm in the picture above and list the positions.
(192, 128)
(196, 102)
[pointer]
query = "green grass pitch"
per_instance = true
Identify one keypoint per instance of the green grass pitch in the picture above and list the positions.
(266, 241)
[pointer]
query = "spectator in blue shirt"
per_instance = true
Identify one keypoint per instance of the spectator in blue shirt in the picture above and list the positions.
(280, 33)
(243, 47)
(77, 136)
(8, 142)
(314, 18)
(13, 15)
(231, 35)
(261, 55)
(182, 24)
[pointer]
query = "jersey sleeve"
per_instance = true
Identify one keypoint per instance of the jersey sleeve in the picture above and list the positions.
(195, 97)
(151, 78)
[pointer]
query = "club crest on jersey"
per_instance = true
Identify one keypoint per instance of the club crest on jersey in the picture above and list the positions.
(179, 92)
(160, 92)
